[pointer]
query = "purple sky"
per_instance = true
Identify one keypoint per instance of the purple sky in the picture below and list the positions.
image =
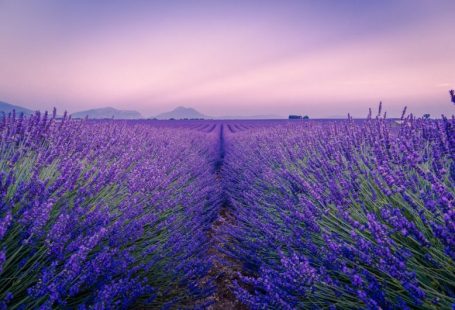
(322, 58)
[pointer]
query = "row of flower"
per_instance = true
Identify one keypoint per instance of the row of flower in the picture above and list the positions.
(343, 214)
(104, 214)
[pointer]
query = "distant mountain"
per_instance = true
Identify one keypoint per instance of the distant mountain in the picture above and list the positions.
(107, 113)
(182, 113)
(190, 113)
(7, 108)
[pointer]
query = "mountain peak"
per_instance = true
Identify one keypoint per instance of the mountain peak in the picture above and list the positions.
(107, 112)
(7, 108)
(182, 112)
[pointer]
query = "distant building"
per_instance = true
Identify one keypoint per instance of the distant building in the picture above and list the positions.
(292, 116)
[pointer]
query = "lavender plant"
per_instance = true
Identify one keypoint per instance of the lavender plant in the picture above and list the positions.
(343, 214)
(103, 213)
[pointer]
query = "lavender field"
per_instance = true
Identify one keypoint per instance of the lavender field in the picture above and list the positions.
(305, 214)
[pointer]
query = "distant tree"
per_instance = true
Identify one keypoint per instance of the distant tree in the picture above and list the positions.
(426, 116)
(452, 94)
(306, 117)
(295, 116)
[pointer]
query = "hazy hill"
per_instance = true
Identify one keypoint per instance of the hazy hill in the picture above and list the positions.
(7, 108)
(107, 113)
(182, 113)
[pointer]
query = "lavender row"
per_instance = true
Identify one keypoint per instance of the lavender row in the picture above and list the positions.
(104, 213)
(344, 214)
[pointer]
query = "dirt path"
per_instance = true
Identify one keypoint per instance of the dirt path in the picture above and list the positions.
(224, 269)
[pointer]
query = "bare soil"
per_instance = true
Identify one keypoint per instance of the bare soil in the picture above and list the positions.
(225, 269)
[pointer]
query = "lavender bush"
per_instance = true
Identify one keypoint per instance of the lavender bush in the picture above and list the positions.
(343, 214)
(103, 213)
